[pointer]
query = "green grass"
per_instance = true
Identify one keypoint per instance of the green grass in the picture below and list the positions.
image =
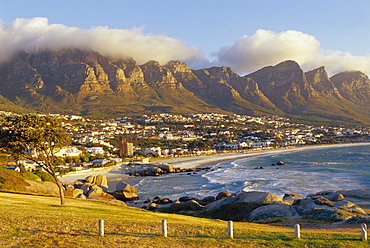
(39, 221)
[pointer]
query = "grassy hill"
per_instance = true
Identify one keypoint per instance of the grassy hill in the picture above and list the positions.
(39, 221)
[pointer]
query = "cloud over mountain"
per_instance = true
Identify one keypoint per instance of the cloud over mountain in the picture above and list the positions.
(269, 48)
(35, 34)
(247, 54)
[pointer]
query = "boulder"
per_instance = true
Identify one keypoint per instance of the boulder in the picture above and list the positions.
(69, 190)
(165, 201)
(223, 195)
(327, 214)
(102, 181)
(69, 187)
(166, 167)
(85, 187)
(125, 192)
(280, 163)
(90, 179)
(358, 220)
(250, 197)
(187, 198)
(357, 193)
(207, 200)
(289, 196)
(308, 204)
(78, 183)
(77, 192)
(273, 210)
(81, 196)
(95, 191)
(185, 206)
(335, 197)
(107, 196)
(152, 206)
(52, 188)
(35, 187)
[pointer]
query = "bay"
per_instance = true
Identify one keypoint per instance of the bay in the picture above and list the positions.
(305, 172)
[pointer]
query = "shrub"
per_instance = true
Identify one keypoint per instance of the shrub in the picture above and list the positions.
(12, 181)
(45, 176)
(30, 176)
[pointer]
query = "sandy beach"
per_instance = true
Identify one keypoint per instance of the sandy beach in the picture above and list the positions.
(115, 173)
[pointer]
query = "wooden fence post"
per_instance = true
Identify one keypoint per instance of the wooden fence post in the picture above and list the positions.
(164, 228)
(297, 231)
(101, 227)
(363, 232)
(230, 230)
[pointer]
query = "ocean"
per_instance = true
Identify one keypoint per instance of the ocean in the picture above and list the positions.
(304, 172)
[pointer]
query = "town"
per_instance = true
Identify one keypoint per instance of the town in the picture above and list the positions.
(138, 139)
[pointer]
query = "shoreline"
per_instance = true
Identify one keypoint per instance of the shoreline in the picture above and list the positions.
(115, 174)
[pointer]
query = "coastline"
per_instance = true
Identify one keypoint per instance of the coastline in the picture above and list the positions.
(114, 173)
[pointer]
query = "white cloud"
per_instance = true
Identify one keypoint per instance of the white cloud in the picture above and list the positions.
(264, 48)
(36, 34)
(249, 53)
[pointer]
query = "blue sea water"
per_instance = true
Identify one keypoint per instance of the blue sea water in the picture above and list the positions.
(305, 172)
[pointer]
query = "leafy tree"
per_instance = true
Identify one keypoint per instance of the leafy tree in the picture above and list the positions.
(37, 138)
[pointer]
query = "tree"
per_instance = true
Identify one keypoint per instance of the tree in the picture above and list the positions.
(37, 138)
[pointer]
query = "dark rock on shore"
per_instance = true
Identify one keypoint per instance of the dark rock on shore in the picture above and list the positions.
(250, 197)
(223, 195)
(187, 198)
(125, 192)
(191, 205)
(257, 206)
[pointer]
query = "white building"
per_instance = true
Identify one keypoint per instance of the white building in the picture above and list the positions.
(68, 151)
(95, 150)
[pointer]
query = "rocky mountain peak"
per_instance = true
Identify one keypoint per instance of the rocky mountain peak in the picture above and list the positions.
(279, 75)
(85, 82)
(319, 80)
(178, 67)
(354, 86)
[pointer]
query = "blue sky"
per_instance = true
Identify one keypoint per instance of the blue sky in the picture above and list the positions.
(245, 35)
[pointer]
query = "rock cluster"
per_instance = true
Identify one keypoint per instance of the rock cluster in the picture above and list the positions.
(151, 169)
(257, 205)
(161, 168)
(96, 187)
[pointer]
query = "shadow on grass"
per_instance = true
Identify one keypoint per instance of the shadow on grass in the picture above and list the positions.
(74, 232)
(70, 232)
(333, 239)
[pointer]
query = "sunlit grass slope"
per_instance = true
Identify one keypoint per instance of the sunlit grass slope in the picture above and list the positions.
(38, 221)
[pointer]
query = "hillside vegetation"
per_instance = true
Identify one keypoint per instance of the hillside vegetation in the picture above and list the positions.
(39, 221)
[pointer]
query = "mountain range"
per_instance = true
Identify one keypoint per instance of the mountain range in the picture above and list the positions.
(83, 82)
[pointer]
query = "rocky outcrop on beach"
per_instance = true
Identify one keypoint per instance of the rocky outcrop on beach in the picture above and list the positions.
(257, 206)
(159, 169)
(96, 187)
(251, 197)
(125, 192)
(357, 193)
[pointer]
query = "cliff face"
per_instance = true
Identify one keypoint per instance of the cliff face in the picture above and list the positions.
(354, 86)
(284, 84)
(85, 82)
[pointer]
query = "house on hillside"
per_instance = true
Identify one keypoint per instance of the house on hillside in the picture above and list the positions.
(68, 151)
